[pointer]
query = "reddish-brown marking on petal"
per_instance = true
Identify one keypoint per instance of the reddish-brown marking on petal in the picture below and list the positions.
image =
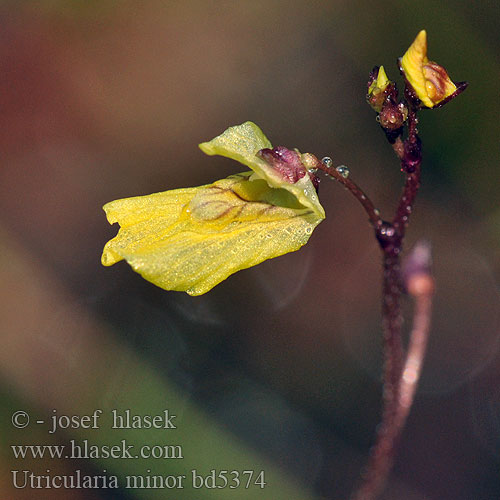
(436, 80)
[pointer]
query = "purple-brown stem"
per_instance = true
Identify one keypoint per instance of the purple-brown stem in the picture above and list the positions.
(397, 398)
(410, 154)
(356, 191)
(382, 452)
(391, 242)
(400, 374)
(420, 285)
(399, 382)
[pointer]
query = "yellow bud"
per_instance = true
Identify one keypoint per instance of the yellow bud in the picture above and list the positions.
(429, 80)
(380, 82)
(377, 89)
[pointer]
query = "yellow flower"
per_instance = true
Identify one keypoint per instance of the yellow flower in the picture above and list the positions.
(192, 239)
(429, 80)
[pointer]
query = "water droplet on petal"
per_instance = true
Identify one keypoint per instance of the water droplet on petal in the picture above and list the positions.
(343, 171)
(309, 230)
(327, 161)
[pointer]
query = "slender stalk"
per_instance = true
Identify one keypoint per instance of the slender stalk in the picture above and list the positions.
(400, 376)
(356, 191)
(410, 154)
(401, 373)
(391, 242)
(382, 452)
(421, 286)
(422, 289)
(397, 394)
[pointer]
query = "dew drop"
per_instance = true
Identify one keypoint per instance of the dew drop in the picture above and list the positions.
(387, 230)
(408, 209)
(309, 230)
(269, 236)
(343, 171)
(377, 118)
(376, 212)
(327, 161)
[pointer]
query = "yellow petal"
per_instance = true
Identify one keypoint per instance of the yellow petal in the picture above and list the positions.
(192, 239)
(242, 143)
(429, 80)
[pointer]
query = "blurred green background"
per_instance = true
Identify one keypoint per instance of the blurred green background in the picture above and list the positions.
(278, 368)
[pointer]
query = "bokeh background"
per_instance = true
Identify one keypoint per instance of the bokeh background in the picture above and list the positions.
(278, 368)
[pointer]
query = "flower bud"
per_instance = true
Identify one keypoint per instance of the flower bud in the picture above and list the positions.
(379, 88)
(429, 80)
(392, 116)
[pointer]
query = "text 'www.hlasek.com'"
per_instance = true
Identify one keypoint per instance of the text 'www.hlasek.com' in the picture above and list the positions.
(131, 428)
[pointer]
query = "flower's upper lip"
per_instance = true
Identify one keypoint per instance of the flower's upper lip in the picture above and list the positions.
(242, 143)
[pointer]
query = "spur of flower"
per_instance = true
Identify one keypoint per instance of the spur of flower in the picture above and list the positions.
(192, 239)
